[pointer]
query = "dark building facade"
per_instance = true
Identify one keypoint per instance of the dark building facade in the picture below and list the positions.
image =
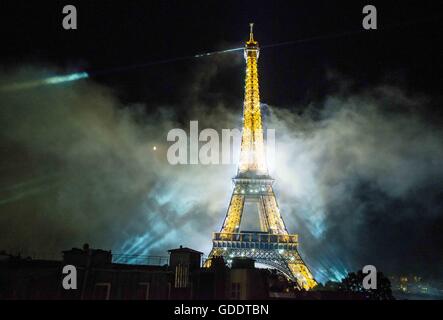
(98, 277)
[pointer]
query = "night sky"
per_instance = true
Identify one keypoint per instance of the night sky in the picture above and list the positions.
(357, 116)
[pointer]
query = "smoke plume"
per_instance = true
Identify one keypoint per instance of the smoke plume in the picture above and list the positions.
(358, 175)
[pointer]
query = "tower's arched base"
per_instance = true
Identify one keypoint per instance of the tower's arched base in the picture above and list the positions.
(281, 255)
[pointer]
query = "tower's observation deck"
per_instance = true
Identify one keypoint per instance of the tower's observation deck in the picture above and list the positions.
(272, 245)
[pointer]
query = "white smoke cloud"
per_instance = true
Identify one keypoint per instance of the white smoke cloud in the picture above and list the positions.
(94, 176)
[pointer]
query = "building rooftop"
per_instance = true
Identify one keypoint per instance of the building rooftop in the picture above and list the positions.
(185, 249)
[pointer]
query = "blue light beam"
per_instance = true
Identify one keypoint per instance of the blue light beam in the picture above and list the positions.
(47, 81)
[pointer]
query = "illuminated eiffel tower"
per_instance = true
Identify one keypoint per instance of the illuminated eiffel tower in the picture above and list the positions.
(272, 245)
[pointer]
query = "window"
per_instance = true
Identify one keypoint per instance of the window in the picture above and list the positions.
(102, 291)
(142, 292)
(181, 276)
(235, 290)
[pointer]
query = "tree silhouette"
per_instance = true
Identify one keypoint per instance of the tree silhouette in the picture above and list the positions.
(354, 283)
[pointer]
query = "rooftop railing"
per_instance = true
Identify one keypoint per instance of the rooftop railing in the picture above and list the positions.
(140, 259)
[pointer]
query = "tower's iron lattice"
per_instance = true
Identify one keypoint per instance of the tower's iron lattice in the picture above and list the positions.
(272, 245)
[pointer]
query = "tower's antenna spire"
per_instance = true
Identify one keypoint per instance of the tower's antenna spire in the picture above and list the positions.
(251, 32)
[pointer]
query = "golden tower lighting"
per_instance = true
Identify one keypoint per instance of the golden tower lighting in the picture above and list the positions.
(272, 245)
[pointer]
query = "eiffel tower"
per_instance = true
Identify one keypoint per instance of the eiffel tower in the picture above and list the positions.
(272, 245)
